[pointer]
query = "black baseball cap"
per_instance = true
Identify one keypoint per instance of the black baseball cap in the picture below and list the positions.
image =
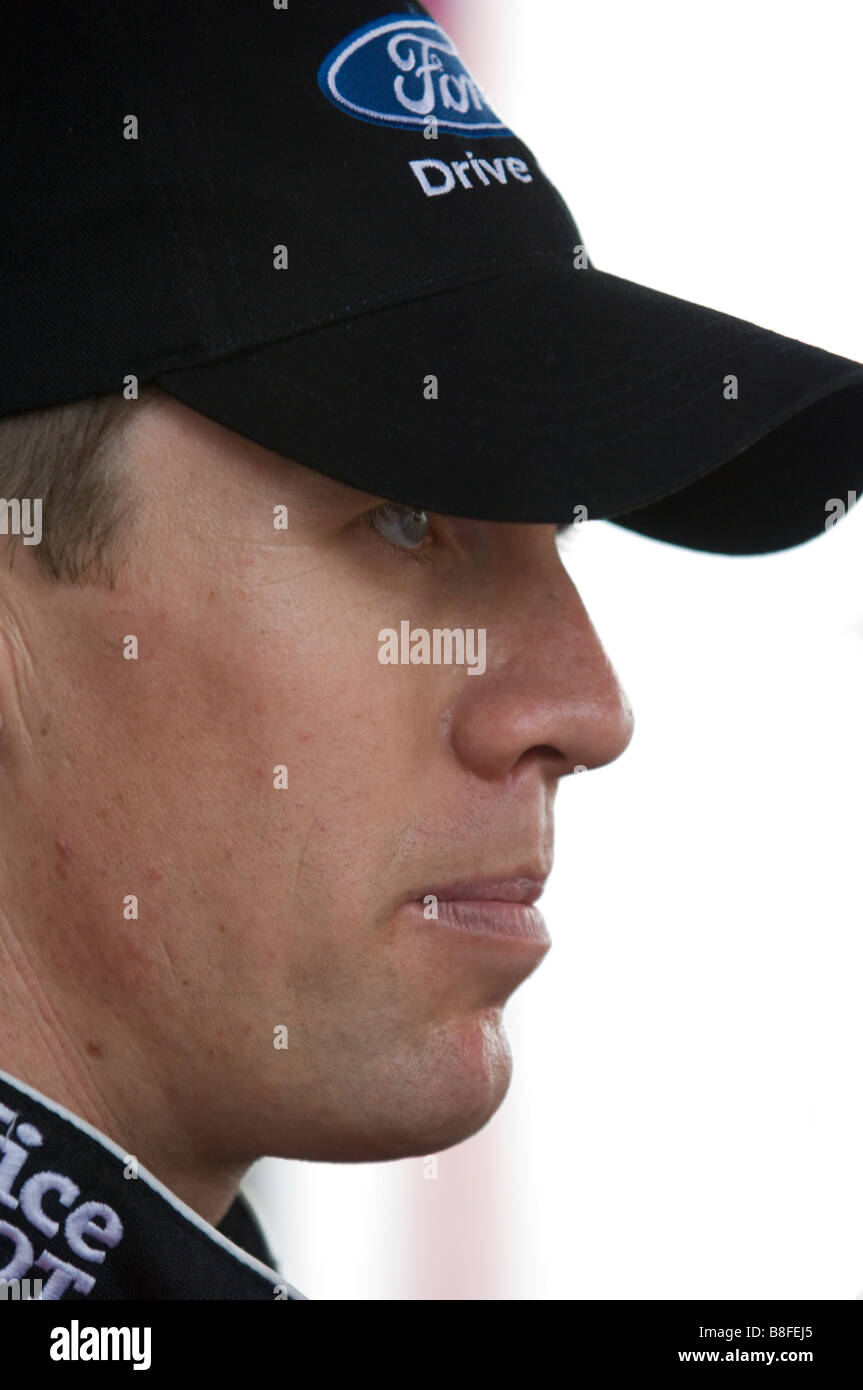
(306, 221)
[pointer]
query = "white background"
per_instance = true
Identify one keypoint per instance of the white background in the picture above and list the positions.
(685, 1115)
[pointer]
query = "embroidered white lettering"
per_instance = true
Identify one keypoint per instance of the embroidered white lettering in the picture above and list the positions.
(434, 176)
(87, 1226)
(34, 1190)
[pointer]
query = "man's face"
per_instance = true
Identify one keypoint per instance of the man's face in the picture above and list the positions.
(261, 906)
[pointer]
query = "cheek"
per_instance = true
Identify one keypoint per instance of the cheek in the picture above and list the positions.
(298, 765)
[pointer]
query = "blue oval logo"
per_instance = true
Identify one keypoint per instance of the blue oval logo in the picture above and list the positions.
(404, 71)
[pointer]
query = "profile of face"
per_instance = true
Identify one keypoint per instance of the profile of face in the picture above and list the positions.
(294, 901)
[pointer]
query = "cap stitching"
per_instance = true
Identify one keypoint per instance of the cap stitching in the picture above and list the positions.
(406, 294)
(660, 374)
(767, 350)
(353, 310)
(354, 408)
(719, 342)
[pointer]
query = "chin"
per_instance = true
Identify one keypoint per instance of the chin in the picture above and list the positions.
(429, 1099)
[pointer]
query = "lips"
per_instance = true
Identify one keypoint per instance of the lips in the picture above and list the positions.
(519, 888)
(494, 910)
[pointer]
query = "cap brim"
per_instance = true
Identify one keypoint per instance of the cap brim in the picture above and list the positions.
(538, 390)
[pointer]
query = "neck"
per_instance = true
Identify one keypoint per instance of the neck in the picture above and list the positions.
(83, 1060)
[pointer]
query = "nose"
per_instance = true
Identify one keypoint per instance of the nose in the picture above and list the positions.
(549, 696)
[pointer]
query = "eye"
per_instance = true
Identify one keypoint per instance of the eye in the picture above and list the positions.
(404, 527)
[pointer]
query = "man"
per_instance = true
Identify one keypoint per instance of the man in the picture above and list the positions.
(307, 364)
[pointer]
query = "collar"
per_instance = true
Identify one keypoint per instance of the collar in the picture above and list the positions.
(79, 1214)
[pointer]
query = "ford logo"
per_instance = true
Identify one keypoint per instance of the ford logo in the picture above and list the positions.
(404, 71)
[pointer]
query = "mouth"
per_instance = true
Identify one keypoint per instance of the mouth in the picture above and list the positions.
(499, 910)
(517, 888)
